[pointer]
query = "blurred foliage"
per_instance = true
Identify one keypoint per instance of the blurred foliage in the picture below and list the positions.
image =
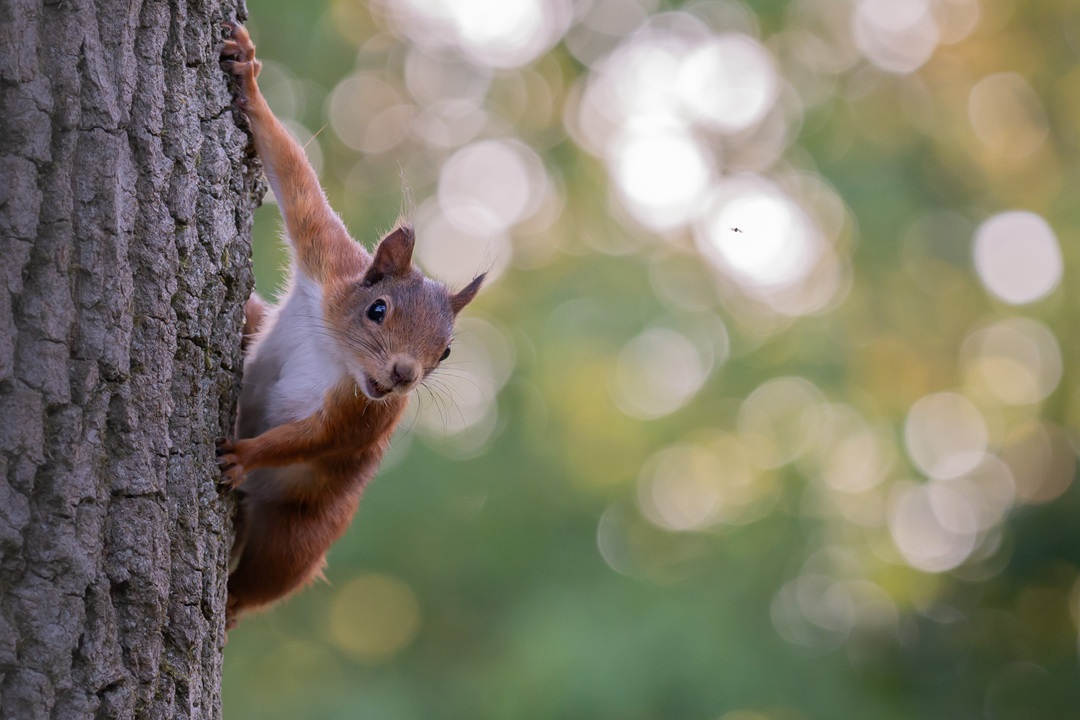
(817, 467)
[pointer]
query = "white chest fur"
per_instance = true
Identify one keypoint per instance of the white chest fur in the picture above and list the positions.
(294, 364)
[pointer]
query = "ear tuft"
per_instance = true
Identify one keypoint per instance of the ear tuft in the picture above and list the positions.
(393, 256)
(459, 300)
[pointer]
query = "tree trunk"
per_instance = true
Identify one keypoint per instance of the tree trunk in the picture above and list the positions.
(125, 213)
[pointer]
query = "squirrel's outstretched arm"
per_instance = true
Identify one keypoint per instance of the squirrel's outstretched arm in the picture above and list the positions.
(323, 246)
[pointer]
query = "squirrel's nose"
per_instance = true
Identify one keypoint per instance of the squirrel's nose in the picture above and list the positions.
(403, 373)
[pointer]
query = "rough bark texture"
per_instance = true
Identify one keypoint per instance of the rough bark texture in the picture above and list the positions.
(124, 262)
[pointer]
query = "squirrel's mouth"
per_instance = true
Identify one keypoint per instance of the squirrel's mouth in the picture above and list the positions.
(374, 390)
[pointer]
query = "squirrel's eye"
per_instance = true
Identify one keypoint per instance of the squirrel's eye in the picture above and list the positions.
(446, 354)
(377, 311)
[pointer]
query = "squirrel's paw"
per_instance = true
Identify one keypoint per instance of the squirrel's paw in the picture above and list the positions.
(238, 59)
(232, 469)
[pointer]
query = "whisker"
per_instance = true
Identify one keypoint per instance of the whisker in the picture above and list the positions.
(450, 391)
(442, 414)
(447, 377)
(450, 397)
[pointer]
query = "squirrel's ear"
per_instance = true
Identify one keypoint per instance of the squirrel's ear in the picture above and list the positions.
(393, 256)
(463, 298)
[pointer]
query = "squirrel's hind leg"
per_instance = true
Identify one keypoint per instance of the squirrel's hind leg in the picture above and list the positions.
(255, 312)
(284, 549)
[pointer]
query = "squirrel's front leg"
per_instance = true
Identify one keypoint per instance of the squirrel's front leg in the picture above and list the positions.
(323, 247)
(293, 442)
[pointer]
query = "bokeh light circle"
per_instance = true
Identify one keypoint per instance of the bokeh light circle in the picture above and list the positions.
(728, 83)
(933, 526)
(494, 33)
(658, 372)
(898, 37)
(1018, 257)
(946, 435)
(1007, 116)
(661, 177)
(758, 233)
(778, 421)
(1016, 361)
(489, 186)
(373, 617)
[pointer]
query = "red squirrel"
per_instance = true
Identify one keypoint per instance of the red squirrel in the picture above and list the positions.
(328, 370)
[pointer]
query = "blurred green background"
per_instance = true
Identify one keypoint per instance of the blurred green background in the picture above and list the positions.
(768, 411)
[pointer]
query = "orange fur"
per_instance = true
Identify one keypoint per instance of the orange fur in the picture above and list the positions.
(255, 310)
(325, 248)
(300, 478)
(285, 541)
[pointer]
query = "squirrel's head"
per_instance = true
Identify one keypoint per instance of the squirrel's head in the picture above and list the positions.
(394, 324)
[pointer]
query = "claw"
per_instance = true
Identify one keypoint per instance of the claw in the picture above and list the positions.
(237, 58)
(232, 470)
(233, 477)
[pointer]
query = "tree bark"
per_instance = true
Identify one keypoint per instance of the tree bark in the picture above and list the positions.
(125, 214)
